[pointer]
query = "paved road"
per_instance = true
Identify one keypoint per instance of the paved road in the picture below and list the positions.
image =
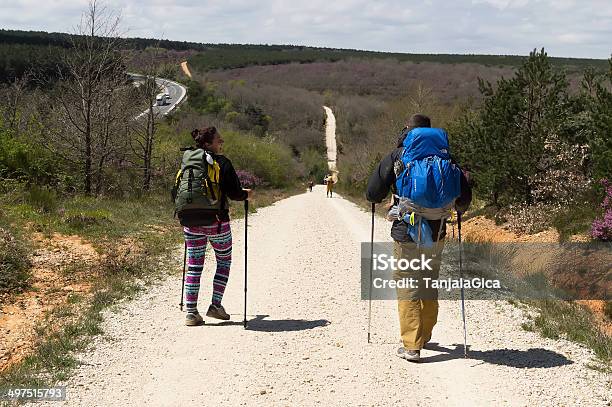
(176, 91)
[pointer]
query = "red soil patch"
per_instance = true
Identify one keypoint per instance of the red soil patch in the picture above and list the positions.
(58, 267)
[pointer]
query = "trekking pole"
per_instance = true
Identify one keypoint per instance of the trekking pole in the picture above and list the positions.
(370, 282)
(461, 277)
(246, 224)
(183, 283)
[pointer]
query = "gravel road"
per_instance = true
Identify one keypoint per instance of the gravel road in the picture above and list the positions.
(306, 344)
(330, 142)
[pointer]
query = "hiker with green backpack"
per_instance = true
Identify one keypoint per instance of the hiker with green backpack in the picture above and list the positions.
(201, 191)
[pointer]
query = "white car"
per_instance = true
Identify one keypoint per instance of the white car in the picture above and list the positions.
(160, 100)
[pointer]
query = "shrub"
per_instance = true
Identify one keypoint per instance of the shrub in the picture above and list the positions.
(530, 219)
(574, 219)
(315, 164)
(20, 160)
(608, 309)
(248, 180)
(268, 160)
(82, 219)
(14, 263)
(121, 259)
(205, 99)
(41, 198)
(602, 227)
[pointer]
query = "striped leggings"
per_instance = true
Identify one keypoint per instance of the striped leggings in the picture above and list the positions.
(196, 238)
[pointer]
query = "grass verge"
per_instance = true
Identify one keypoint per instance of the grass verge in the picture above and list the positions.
(119, 276)
(565, 319)
(14, 262)
(93, 218)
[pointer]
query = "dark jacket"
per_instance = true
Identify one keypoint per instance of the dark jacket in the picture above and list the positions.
(383, 179)
(230, 188)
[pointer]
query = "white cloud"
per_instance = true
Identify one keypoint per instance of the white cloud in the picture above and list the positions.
(503, 4)
(564, 27)
(574, 38)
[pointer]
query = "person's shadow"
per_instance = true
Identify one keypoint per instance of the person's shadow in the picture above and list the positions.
(261, 324)
(534, 357)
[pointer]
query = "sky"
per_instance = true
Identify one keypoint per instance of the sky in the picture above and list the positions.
(565, 28)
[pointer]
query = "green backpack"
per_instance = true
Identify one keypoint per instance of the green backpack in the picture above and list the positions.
(197, 194)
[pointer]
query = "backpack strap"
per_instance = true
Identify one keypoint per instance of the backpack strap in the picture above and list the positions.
(175, 187)
(222, 198)
(209, 185)
(442, 223)
(190, 186)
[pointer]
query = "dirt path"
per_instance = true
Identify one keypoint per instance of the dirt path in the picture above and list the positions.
(306, 344)
(185, 69)
(330, 142)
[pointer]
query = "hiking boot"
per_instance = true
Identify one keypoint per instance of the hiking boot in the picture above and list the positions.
(410, 355)
(218, 312)
(193, 319)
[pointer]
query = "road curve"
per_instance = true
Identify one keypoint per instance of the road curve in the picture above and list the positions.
(177, 93)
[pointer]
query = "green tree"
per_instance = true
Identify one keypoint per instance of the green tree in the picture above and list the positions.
(597, 100)
(504, 143)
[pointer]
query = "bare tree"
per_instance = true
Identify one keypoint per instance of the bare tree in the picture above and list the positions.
(87, 99)
(142, 140)
(14, 95)
(143, 135)
(111, 141)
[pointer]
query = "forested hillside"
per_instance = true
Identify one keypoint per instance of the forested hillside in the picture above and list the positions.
(18, 50)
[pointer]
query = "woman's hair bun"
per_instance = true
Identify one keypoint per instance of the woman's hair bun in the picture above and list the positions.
(204, 136)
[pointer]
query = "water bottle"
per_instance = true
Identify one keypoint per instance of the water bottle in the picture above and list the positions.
(414, 222)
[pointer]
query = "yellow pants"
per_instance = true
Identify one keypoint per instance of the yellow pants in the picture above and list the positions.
(417, 319)
(417, 308)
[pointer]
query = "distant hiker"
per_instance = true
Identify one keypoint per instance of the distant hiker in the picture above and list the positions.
(329, 181)
(416, 219)
(204, 183)
(310, 185)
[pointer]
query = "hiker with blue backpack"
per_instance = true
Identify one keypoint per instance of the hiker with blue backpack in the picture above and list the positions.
(426, 185)
(203, 185)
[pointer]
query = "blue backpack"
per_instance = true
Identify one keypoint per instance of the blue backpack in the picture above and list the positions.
(428, 179)
(427, 182)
